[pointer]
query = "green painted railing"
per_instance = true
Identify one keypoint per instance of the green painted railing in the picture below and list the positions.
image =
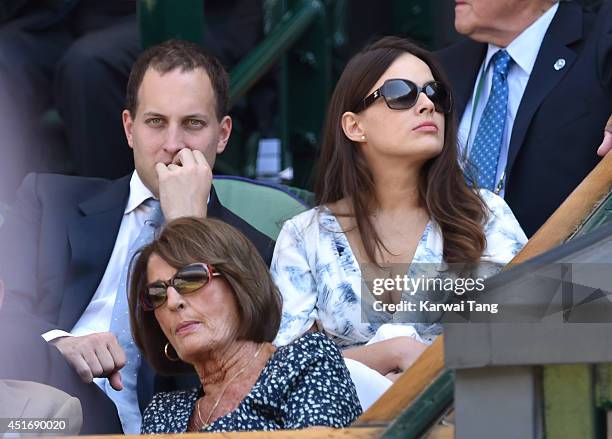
(302, 37)
(424, 411)
(161, 20)
(299, 41)
(306, 85)
(282, 37)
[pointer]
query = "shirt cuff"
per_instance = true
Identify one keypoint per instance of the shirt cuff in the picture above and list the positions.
(55, 333)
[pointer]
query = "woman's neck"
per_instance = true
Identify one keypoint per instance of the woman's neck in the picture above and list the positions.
(397, 188)
(223, 365)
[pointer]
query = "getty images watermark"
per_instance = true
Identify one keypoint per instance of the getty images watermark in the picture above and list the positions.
(437, 287)
(424, 293)
(451, 293)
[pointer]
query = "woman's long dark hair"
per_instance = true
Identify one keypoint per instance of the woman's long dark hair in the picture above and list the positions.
(342, 170)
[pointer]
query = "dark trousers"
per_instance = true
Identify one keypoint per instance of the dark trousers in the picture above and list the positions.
(79, 66)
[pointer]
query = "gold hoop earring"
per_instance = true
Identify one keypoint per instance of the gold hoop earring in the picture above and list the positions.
(168, 355)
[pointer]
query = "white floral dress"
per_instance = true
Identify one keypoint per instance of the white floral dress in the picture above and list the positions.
(320, 280)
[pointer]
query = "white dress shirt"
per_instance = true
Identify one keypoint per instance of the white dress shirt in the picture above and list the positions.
(97, 315)
(524, 51)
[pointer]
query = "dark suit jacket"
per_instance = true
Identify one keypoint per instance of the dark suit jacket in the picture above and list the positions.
(56, 244)
(562, 114)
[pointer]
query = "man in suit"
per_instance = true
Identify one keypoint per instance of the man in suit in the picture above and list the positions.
(533, 83)
(75, 56)
(67, 241)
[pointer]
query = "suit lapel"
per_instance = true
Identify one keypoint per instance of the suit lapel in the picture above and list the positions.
(463, 72)
(92, 239)
(566, 28)
(215, 208)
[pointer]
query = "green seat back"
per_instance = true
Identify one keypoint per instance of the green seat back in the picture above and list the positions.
(265, 206)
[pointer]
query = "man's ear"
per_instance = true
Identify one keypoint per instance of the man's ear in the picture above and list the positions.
(225, 129)
(128, 124)
(352, 127)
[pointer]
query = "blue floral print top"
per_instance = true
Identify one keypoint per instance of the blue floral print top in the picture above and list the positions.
(320, 280)
(304, 384)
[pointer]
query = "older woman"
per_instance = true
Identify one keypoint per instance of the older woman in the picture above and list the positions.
(202, 298)
(389, 192)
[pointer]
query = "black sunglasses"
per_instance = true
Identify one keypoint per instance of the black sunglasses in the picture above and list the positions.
(401, 94)
(187, 280)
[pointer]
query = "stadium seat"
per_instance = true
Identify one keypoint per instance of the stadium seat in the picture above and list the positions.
(266, 206)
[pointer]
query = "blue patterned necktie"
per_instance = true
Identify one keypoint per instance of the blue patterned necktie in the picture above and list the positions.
(484, 154)
(126, 400)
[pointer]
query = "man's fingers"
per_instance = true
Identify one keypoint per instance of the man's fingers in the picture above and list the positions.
(176, 160)
(91, 358)
(82, 368)
(183, 190)
(184, 158)
(114, 380)
(161, 170)
(106, 361)
(606, 144)
(117, 353)
(199, 158)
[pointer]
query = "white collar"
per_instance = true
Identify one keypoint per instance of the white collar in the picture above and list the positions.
(139, 193)
(524, 48)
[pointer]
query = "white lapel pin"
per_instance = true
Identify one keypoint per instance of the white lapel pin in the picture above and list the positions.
(559, 64)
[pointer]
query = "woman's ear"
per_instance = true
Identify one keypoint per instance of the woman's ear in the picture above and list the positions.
(352, 128)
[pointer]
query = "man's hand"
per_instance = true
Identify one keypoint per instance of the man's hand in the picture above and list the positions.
(184, 185)
(606, 144)
(94, 356)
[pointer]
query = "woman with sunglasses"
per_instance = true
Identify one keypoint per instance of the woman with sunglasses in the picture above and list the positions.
(202, 298)
(389, 191)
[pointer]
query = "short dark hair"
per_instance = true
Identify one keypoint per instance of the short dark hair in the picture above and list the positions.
(187, 240)
(186, 56)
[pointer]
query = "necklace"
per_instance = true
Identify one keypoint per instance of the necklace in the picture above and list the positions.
(216, 404)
